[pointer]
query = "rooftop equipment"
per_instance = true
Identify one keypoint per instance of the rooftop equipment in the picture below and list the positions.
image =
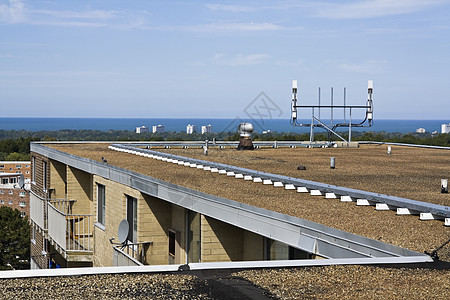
(245, 140)
(331, 128)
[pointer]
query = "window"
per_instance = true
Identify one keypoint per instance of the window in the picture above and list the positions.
(2, 192)
(18, 166)
(193, 237)
(2, 166)
(44, 175)
(33, 234)
(33, 169)
(132, 218)
(23, 214)
(2, 201)
(172, 238)
(10, 202)
(101, 203)
(27, 166)
(5, 181)
(11, 192)
(22, 204)
(22, 194)
(13, 180)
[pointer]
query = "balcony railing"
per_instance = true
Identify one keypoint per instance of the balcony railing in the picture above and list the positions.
(134, 254)
(38, 210)
(72, 232)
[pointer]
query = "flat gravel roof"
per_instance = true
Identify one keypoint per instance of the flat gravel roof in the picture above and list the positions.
(404, 173)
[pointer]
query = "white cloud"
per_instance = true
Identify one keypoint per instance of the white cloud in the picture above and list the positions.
(17, 12)
(239, 59)
(12, 13)
(56, 74)
(368, 66)
(65, 14)
(231, 8)
(225, 27)
(374, 8)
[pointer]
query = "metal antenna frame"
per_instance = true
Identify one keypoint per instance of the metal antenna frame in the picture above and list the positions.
(331, 129)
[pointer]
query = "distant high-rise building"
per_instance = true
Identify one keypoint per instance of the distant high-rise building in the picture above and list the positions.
(420, 130)
(206, 129)
(158, 128)
(190, 129)
(445, 128)
(142, 129)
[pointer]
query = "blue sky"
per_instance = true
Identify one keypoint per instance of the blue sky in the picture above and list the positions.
(211, 59)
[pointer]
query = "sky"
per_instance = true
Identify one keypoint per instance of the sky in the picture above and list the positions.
(201, 59)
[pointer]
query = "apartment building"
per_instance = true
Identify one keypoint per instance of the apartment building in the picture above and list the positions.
(142, 129)
(20, 167)
(12, 173)
(206, 128)
(76, 215)
(79, 203)
(190, 129)
(158, 128)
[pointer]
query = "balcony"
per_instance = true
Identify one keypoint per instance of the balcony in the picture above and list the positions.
(71, 234)
(133, 254)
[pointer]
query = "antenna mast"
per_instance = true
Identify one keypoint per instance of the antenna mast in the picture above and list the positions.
(331, 128)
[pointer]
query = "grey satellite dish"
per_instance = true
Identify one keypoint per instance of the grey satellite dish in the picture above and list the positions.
(21, 181)
(123, 231)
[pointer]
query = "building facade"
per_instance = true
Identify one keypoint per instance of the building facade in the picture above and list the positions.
(445, 128)
(142, 129)
(158, 128)
(206, 129)
(77, 212)
(12, 174)
(20, 167)
(190, 129)
(87, 212)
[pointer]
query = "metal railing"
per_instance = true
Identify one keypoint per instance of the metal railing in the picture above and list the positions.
(38, 209)
(63, 205)
(133, 254)
(72, 232)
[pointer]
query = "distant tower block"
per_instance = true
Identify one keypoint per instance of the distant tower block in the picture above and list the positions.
(190, 129)
(206, 129)
(245, 141)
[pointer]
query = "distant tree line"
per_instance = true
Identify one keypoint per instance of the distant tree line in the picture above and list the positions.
(15, 144)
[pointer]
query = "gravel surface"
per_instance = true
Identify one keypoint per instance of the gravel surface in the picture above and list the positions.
(404, 231)
(123, 286)
(413, 173)
(352, 282)
(330, 282)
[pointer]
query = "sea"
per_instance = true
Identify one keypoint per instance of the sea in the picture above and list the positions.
(218, 125)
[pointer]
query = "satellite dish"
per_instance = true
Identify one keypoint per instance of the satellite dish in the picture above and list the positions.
(123, 231)
(21, 181)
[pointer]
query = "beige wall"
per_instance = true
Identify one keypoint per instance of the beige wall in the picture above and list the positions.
(115, 212)
(221, 241)
(253, 246)
(79, 188)
(155, 216)
(58, 177)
